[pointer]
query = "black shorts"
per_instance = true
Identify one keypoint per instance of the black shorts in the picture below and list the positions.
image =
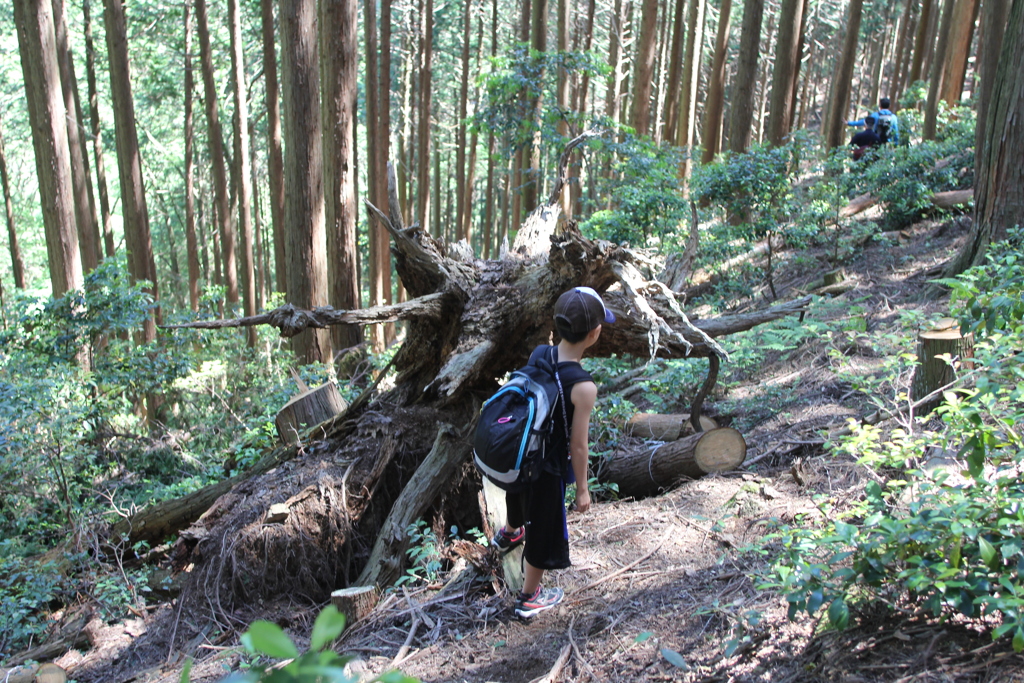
(541, 508)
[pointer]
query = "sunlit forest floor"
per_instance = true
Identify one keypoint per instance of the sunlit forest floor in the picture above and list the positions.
(663, 588)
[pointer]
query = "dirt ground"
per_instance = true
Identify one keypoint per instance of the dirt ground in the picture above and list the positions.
(661, 589)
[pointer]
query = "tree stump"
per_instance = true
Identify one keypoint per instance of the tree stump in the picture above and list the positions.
(354, 602)
(933, 372)
(308, 409)
(665, 427)
(51, 673)
(648, 471)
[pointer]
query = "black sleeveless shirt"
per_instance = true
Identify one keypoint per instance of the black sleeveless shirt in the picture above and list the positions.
(571, 373)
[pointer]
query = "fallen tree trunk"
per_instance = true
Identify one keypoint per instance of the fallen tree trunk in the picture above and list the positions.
(704, 279)
(648, 471)
(665, 427)
(940, 200)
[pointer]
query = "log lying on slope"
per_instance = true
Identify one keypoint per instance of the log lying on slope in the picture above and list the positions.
(648, 471)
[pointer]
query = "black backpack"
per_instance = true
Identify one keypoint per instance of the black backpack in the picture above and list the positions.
(883, 126)
(510, 445)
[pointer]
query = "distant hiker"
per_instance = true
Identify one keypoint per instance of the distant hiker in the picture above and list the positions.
(865, 140)
(886, 124)
(536, 512)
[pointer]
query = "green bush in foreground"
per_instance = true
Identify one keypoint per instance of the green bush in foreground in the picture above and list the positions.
(924, 541)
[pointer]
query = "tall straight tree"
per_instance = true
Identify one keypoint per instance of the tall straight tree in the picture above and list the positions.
(741, 120)
(712, 129)
(962, 30)
(139, 243)
(275, 162)
(490, 214)
(37, 44)
(691, 79)
(191, 244)
(17, 264)
(538, 43)
(85, 217)
(215, 141)
(994, 14)
(616, 38)
(675, 72)
(462, 230)
(243, 168)
(938, 72)
(340, 69)
(999, 175)
(423, 138)
(921, 41)
(303, 173)
(896, 79)
(835, 125)
(97, 136)
(383, 154)
(787, 59)
(562, 90)
(640, 112)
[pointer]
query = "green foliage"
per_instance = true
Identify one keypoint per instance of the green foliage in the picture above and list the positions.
(424, 555)
(319, 664)
(647, 207)
(24, 585)
(905, 177)
(918, 539)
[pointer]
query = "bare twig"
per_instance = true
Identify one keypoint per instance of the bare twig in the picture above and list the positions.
(617, 572)
(402, 651)
(556, 670)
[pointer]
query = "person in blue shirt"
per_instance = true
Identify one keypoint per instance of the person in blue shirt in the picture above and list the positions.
(886, 124)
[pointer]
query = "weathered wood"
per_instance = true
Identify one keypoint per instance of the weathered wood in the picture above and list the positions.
(678, 265)
(665, 427)
(450, 451)
(705, 279)
(71, 636)
(834, 277)
(19, 674)
(308, 409)
(858, 204)
(647, 471)
(497, 516)
(934, 372)
(952, 199)
(355, 602)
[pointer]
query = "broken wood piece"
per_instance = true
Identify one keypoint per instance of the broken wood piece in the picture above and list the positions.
(857, 205)
(648, 471)
(556, 669)
(308, 409)
(20, 674)
(952, 199)
(276, 514)
(355, 602)
(933, 372)
(834, 277)
(665, 427)
(496, 513)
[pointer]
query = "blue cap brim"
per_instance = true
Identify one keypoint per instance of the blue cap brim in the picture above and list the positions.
(609, 317)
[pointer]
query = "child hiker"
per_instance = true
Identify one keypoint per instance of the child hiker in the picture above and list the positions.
(536, 514)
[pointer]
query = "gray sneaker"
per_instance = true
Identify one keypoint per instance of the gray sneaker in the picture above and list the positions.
(528, 606)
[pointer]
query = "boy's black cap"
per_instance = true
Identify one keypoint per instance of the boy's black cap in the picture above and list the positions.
(580, 310)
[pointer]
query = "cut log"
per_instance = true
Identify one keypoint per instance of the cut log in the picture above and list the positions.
(648, 471)
(355, 602)
(308, 409)
(858, 205)
(665, 427)
(51, 673)
(20, 674)
(933, 372)
(952, 199)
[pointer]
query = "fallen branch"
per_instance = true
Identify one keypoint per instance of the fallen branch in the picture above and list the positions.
(556, 669)
(617, 572)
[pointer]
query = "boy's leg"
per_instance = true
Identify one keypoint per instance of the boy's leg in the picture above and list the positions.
(531, 578)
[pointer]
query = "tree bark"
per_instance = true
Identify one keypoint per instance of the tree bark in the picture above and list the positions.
(836, 123)
(243, 166)
(304, 197)
(275, 161)
(97, 136)
(691, 79)
(675, 75)
(139, 243)
(382, 148)
(36, 38)
(340, 68)
(562, 89)
(999, 175)
(896, 80)
(17, 264)
(920, 42)
(306, 410)
(462, 229)
(934, 372)
(215, 141)
(423, 146)
(961, 32)
(787, 57)
(640, 113)
(616, 39)
(665, 427)
(993, 20)
(85, 218)
(938, 74)
(190, 206)
(742, 106)
(712, 129)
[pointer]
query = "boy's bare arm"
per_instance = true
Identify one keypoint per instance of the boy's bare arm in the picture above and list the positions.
(583, 397)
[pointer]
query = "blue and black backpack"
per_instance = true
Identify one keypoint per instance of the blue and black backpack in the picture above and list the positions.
(512, 435)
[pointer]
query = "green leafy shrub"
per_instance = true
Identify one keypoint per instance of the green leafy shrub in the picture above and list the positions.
(918, 539)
